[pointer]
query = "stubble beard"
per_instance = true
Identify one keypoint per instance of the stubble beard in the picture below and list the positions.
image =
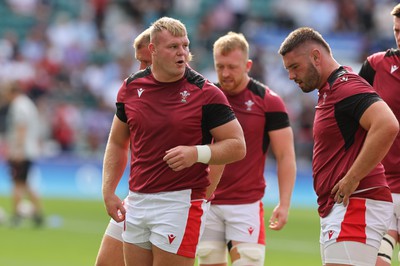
(311, 80)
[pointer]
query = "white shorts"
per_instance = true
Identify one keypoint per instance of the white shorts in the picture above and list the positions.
(242, 223)
(395, 221)
(115, 229)
(364, 221)
(169, 220)
(350, 253)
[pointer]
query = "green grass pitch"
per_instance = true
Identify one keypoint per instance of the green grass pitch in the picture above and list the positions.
(74, 230)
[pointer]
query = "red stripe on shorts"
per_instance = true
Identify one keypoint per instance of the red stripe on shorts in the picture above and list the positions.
(192, 231)
(354, 224)
(261, 236)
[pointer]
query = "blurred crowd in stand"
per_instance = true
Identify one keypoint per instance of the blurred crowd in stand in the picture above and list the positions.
(71, 56)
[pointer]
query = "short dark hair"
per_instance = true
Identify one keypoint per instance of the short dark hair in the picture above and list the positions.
(301, 36)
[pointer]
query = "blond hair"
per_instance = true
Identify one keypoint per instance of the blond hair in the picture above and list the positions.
(143, 39)
(230, 42)
(173, 26)
(396, 11)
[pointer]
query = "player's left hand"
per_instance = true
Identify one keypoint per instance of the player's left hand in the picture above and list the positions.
(278, 218)
(343, 189)
(181, 157)
(115, 207)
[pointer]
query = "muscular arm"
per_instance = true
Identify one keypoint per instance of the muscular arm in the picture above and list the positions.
(382, 127)
(283, 149)
(115, 159)
(229, 146)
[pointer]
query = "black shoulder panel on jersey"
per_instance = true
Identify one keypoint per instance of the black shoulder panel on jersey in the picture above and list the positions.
(348, 113)
(256, 87)
(139, 74)
(336, 74)
(367, 72)
(194, 78)
(274, 121)
(214, 115)
(392, 52)
(121, 112)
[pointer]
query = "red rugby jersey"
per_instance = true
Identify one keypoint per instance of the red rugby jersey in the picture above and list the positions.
(161, 116)
(382, 71)
(259, 110)
(338, 136)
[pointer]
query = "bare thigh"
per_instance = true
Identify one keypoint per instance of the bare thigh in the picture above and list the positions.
(110, 252)
(164, 258)
(137, 256)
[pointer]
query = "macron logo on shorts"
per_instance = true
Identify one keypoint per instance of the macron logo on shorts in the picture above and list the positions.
(330, 234)
(171, 238)
(250, 229)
